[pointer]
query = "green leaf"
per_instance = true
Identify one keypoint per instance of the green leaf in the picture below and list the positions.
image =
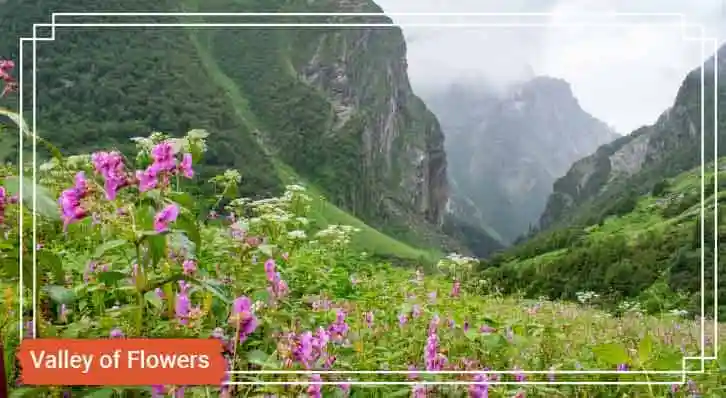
(207, 285)
(257, 357)
(111, 277)
(613, 354)
(107, 247)
(44, 204)
(645, 349)
(51, 263)
(157, 247)
(179, 241)
(155, 300)
(60, 294)
(266, 249)
(190, 228)
(183, 199)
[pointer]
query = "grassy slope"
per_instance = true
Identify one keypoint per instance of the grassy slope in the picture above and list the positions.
(533, 271)
(324, 212)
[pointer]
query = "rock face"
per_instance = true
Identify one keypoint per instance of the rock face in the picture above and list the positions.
(506, 149)
(636, 162)
(333, 104)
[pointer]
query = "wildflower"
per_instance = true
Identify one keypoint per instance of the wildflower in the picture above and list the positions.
(163, 155)
(3, 204)
(111, 166)
(416, 311)
(165, 217)
(189, 267)
(622, 367)
(314, 390)
(419, 391)
(243, 317)
(63, 313)
(186, 166)
(158, 391)
(70, 201)
(431, 351)
(519, 376)
(7, 66)
(402, 319)
(116, 333)
(412, 372)
(551, 374)
(486, 329)
(339, 328)
(183, 307)
(432, 297)
(480, 388)
(345, 388)
(369, 318)
(147, 180)
(466, 326)
(456, 289)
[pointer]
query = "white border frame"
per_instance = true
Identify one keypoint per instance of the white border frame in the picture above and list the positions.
(703, 40)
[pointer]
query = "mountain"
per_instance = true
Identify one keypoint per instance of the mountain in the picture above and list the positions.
(607, 182)
(507, 147)
(627, 222)
(329, 106)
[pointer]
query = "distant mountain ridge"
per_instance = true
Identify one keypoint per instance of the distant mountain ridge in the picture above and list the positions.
(505, 149)
(598, 185)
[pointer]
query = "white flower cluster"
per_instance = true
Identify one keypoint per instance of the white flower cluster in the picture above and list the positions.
(339, 235)
(457, 265)
(631, 307)
(586, 297)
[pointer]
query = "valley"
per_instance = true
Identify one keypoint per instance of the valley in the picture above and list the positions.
(291, 193)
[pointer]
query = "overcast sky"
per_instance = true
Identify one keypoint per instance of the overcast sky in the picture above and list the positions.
(625, 76)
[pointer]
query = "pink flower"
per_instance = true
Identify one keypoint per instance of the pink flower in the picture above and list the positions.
(189, 267)
(111, 166)
(314, 390)
(455, 290)
(116, 333)
(186, 166)
(165, 217)
(70, 201)
(163, 155)
(147, 180)
(242, 314)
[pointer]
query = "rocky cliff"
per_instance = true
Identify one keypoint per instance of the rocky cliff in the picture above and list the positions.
(598, 185)
(507, 148)
(333, 104)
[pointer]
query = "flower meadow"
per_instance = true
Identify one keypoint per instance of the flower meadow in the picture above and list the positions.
(125, 248)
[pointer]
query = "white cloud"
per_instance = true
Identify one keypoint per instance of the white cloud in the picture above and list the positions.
(625, 76)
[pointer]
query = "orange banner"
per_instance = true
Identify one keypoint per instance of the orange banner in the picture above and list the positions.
(121, 362)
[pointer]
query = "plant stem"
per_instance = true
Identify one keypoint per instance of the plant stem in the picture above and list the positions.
(4, 376)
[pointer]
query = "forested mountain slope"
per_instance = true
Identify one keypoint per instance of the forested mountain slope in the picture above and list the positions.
(333, 104)
(597, 185)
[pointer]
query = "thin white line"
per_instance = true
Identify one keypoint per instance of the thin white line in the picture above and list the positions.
(682, 372)
(35, 196)
(435, 383)
(342, 14)
(440, 372)
(715, 197)
(20, 193)
(342, 25)
(703, 211)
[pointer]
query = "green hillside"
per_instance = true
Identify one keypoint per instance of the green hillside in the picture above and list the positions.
(649, 251)
(254, 91)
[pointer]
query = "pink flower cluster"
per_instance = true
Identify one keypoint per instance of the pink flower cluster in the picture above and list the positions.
(70, 201)
(111, 166)
(278, 287)
(243, 318)
(6, 67)
(432, 357)
(5, 200)
(164, 165)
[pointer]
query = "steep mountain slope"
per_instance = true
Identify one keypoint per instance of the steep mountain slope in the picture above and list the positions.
(506, 149)
(607, 181)
(650, 253)
(334, 104)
